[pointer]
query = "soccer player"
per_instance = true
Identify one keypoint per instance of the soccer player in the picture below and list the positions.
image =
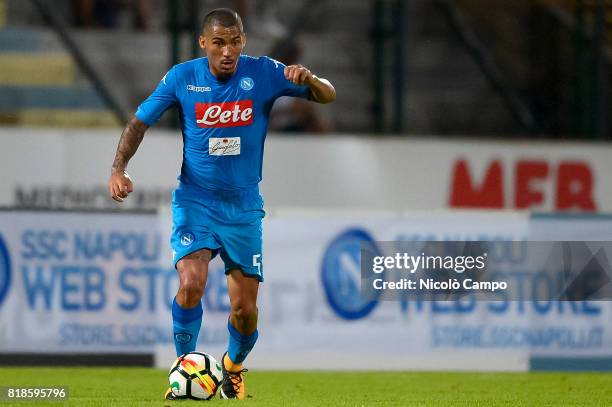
(224, 101)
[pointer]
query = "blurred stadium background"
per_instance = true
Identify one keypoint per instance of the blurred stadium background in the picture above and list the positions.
(463, 119)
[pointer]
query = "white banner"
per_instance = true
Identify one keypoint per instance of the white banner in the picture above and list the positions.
(322, 172)
(93, 282)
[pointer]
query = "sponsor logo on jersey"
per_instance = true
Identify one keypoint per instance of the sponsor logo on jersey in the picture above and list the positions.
(226, 114)
(247, 83)
(194, 88)
(224, 146)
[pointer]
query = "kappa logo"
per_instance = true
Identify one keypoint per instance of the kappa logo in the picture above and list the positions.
(225, 114)
(187, 239)
(194, 88)
(247, 83)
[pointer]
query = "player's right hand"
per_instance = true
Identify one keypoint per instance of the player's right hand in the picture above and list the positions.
(120, 185)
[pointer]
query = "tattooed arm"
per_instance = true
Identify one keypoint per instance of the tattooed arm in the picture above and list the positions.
(120, 183)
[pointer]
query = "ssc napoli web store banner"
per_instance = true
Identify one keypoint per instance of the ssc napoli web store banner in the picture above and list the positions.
(81, 282)
(94, 282)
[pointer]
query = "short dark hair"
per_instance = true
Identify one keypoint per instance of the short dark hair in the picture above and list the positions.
(224, 17)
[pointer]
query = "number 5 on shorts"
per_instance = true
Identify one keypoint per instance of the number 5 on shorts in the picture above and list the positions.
(257, 262)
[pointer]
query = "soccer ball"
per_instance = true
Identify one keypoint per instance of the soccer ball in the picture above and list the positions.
(195, 375)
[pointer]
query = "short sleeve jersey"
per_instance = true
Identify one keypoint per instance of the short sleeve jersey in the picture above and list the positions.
(224, 123)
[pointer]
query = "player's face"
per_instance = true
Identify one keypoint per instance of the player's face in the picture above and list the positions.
(223, 46)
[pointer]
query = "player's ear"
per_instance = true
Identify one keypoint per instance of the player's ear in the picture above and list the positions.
(202, 42)
(243, 35)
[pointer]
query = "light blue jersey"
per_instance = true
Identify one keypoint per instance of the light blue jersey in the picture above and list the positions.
(224, 123)
(217, 205)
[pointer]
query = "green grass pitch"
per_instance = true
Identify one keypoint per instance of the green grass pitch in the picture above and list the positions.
(144, 387)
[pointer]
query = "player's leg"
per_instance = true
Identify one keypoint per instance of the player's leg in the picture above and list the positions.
(187, 306)
(193, 245)
(241, 241)
(242, 326)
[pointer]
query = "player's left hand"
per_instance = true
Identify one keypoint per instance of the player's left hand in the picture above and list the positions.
(298, 75)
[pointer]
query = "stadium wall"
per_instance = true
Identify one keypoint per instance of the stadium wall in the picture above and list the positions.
(102, 283)
(425, 173)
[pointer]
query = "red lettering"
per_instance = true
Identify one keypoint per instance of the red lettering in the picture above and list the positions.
(465, 194)
(575, 187)
(526, 172)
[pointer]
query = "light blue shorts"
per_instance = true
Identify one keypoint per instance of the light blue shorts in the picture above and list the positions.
(226, 222)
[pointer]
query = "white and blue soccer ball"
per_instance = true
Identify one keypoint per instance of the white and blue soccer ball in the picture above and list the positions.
(195, 375)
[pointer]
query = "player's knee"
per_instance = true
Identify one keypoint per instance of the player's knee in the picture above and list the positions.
(245, 311)
(192, 292)
(191, 286)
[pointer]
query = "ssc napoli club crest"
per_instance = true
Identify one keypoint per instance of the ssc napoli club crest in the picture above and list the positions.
(187, 239)
(247, 83)
(183, 337)
(341, 274)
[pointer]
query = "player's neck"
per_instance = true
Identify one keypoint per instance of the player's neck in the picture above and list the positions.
(219, 76)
